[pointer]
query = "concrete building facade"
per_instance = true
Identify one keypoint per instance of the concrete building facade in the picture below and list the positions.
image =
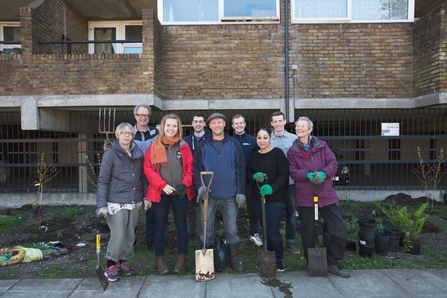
(349, 77)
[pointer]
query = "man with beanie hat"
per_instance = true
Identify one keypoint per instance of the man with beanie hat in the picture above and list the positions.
(223, 156)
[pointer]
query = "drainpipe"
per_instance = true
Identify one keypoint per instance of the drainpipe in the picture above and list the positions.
(286, 68)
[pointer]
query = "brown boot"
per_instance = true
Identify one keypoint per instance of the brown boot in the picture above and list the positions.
(235, 264)
(162, 268)
(180, 263)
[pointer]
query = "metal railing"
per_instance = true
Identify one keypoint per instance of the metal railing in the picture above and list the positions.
(376, 161)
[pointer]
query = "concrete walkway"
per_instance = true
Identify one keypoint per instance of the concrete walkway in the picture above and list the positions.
(363, 283)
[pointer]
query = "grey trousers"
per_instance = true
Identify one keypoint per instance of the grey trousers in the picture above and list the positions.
(122, 234)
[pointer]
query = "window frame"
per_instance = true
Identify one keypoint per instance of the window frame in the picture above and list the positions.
(243, 20)
(2, 37)
(120, 33)
(348, 18)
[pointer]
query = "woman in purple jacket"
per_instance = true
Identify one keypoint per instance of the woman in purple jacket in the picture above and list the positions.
(311, 165)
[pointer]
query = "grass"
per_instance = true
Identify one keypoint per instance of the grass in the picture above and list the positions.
(8, 222)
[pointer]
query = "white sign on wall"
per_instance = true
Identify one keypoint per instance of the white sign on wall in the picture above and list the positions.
(390, 129)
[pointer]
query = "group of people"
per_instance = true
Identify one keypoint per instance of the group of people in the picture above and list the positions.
(154, 170)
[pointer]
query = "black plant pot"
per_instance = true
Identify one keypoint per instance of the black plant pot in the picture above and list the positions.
(416, 249)
(351, 245)
(381, 243)
(366, 250)
(394, 240)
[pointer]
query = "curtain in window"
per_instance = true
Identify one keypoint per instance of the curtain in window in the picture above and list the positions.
(321, 9)
(103, 34)
(379, 9)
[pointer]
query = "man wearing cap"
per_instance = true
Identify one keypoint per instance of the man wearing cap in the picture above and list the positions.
(223, 156)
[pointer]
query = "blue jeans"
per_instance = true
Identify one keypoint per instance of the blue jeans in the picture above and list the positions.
(273, 215)
(229, 212)
(161, 212)
(290, 214)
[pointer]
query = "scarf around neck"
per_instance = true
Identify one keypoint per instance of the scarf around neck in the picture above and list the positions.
(158, 149)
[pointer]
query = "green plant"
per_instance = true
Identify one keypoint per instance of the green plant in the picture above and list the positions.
(72, 212)
(408, 224)
(429, 175)
(221, 231)
(351, 222)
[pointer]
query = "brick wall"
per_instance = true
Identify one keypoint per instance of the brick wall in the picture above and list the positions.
(352, 60)
(430, 38)
(223, 61)
(247, 61)
(73, 74)
(51, 20)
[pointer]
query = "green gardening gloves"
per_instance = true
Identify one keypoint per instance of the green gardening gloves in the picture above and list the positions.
(316, 177)
(266, 189)
(259, 176)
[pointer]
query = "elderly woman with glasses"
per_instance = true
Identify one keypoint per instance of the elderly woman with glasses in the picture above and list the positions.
(312, 164)
(119, 196)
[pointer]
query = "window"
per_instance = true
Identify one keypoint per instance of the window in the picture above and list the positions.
(119, 30)
(175, 12)
(10, 32)
(355, 11)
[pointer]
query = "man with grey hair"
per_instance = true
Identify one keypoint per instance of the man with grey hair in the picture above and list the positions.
(144, 136)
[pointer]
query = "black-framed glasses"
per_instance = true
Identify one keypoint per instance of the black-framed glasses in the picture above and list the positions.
(142, 115)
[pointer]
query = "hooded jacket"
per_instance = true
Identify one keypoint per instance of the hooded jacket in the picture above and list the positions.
(156, 183)
(228, 167)
(321, 158)
(193, 142)
(121, 176)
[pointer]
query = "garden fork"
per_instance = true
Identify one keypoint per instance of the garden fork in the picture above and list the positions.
(107, 125)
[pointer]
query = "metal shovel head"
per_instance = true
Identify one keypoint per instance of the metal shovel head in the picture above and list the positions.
(317, 261)
(267, 264)
(204, 264)
(102, 278)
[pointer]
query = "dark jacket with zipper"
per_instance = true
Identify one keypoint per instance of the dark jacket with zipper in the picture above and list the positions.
(319, 158)
(121, 176)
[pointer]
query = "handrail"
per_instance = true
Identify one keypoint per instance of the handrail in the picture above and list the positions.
(86, 41)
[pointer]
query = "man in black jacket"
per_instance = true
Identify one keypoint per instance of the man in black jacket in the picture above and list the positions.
(198, 134)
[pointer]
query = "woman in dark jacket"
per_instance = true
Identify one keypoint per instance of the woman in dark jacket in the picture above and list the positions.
(169, 170)
(119, 196)
(312, 164)
(268, 168)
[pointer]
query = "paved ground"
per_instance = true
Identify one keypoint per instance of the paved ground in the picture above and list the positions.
(363, 283)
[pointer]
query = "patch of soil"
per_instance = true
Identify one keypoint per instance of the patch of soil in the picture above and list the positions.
(56, 224)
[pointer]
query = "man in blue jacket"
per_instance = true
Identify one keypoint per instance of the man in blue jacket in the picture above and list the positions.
(223, 156)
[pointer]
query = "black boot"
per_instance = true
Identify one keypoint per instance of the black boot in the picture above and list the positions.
(235, 264)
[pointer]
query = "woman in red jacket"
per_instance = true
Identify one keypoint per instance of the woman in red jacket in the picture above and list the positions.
(169, 170)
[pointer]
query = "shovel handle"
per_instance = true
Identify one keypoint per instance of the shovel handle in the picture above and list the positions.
(98, 243)
(207, 191)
